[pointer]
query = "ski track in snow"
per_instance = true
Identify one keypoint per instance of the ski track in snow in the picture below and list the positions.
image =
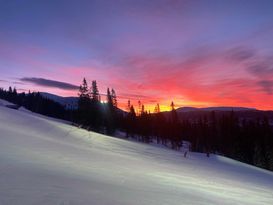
(46, 161)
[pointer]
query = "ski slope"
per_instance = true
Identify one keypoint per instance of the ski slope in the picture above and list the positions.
(48, 162)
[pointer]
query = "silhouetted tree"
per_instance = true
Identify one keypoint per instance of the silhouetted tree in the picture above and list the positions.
(114, 98)
(84, 103)
(95, 92)
(157, 108)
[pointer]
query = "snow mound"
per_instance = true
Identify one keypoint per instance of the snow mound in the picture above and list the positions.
(5, 103)
(45, 162)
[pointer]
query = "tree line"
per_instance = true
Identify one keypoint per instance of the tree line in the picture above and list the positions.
(247, 140)
(34, 102)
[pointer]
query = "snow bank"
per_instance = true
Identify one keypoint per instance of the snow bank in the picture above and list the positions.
(45, 162)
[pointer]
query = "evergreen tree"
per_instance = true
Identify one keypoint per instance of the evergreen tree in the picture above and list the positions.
(174, 117)
(14, 92)
(109, 114)
(128, 106)
(83, 90)
(83, 103)
(139, 108)
(114, 98)
(131, 122)
(174, 128)
(95, 92)
(142, 110)
(109, 99)
(96, 112)
(10, 89)
(157, 108)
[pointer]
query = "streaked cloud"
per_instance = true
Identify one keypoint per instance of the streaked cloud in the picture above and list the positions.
(267, 86)
(240, 54)
(50, 83)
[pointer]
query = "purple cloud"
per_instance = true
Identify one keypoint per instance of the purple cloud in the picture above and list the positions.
(50, 83)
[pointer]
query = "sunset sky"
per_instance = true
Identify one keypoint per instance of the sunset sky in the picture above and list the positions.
(195, 53)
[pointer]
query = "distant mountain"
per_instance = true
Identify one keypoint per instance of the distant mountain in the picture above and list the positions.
(194, 114)
(191, 109)
(187, 109)
(68, 102)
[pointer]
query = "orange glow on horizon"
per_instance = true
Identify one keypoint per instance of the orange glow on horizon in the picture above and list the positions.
(178, 102)
(165, 106)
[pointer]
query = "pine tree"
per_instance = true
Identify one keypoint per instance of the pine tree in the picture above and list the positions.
(139, 108)
(83, 90)
(174, 128)
(172, 106)
(157, 108)
(96, 111)
(174, 117)
(83, 103)
(131, 122)
(109, 98)
(14, 92)
(132, 112)
(114, 98)
(10, 89)
(95, 92)
(128, 105)
(142, 110)
(109, 114)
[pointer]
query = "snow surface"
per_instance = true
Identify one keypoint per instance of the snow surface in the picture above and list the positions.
(4, 103)
(45, 161)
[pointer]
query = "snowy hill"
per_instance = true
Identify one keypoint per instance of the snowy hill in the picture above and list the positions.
(5, 103)
(44, 161)
(68, 102)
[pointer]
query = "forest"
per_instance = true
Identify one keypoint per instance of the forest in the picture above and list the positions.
(249, 140)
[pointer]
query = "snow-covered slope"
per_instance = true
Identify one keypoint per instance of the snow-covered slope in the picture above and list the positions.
(5, 103)
(46, 162)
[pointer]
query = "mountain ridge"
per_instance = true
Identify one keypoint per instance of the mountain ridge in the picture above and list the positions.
(71, 102)
(217, 108)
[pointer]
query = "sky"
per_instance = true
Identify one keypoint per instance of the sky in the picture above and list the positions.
(195, 53)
